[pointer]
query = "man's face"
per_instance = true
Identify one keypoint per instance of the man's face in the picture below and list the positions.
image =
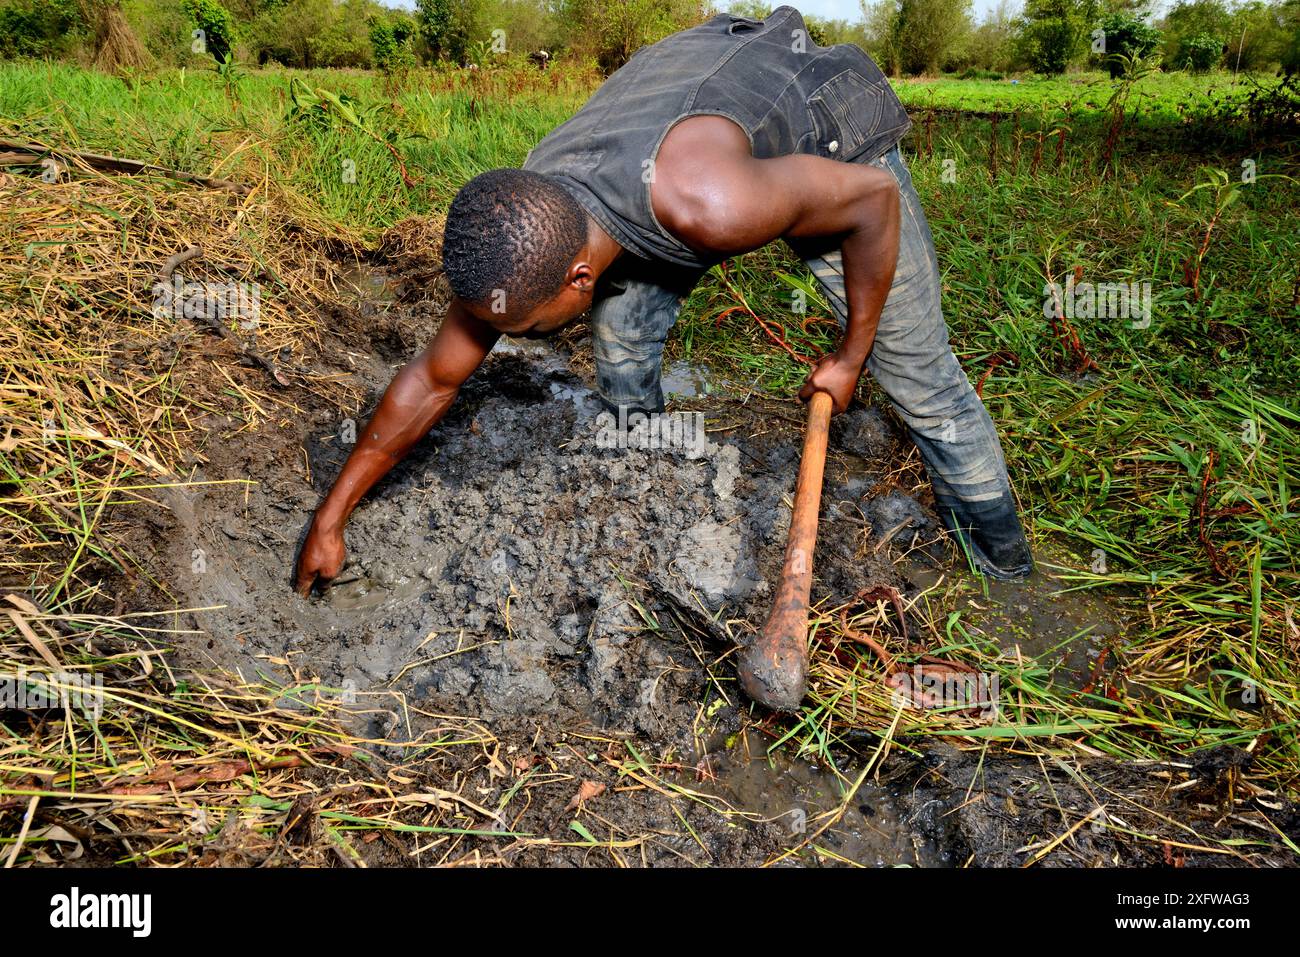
(573, 299)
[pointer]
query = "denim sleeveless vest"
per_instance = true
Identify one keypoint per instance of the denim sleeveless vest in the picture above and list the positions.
(788, 94)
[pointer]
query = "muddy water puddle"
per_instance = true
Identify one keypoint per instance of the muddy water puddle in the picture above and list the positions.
(684, 379)
(363, 593)
(510, 345)
(874, 826)
(1044, 618)
(371, 285)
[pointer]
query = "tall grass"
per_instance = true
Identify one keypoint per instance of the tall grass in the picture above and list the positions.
(447, 126)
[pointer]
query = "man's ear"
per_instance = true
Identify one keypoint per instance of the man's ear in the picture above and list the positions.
(581, 276)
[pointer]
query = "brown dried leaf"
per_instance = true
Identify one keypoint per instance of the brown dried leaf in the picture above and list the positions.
(586, 792)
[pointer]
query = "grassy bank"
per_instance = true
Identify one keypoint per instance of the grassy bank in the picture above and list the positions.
(1164, 457)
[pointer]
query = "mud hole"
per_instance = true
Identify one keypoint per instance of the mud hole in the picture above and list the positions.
(577, 598)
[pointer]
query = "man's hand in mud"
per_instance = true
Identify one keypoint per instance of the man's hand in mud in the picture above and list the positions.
(836, 376)
(321, 558)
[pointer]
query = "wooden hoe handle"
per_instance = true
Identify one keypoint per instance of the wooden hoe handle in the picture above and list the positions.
(773, 667)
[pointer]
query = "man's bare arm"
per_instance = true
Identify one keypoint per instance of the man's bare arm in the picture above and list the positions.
(414, 402)
(712, 194)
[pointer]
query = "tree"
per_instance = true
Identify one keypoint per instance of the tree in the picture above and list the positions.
(1189, 19)
(1052, 34)
(1127, 37)
(990, 46)
(529, 25)
(312, 33)
(926, 30)
(825, 32)
(217, 24)
(433, 19)
(816, 30)
(1290, 16)
(610, 31)
(39, 28)
(1257, 37)
(914, 36)
(390, 41)
(342, 38)
(881, 38)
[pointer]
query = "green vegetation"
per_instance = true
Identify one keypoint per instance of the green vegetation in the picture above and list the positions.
(34, 28)
(907, 37)
(1166, 98)
(451, 126)
(1123, 38)
(391, 42)
(215, 28)
(1052, 34)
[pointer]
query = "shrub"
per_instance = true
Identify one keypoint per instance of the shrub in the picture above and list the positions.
(217, 24)
(390, 41)
(1200, 53)
(1128, 37)
(1050, 34)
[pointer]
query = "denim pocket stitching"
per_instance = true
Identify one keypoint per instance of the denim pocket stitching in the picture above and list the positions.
(850, 132)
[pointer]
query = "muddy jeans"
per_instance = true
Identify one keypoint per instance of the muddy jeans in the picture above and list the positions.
(911, 360)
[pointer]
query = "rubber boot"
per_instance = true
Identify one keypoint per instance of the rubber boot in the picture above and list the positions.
(992, 532)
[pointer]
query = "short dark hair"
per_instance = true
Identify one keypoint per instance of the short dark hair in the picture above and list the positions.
(512, 230)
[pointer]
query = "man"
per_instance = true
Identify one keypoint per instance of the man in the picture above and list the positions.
(711, 143)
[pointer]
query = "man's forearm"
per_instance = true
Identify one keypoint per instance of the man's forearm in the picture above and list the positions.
(411, 406)
(870, 255)
(414, 402)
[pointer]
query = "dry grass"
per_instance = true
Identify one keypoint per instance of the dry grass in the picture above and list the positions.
(210, 769)
(99, 390)
(116, 45)
(101, 399)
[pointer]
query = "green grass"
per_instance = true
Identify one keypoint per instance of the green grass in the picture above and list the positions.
(447, 127)
(1165, 96)
(1116, 460)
